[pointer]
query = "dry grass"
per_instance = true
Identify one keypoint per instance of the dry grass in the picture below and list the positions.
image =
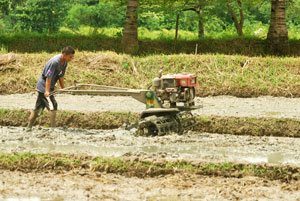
(240, 76)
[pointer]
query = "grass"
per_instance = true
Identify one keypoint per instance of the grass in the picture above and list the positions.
(150, 42)
(125, 166)
(253, 31)
(240, 76)
(282, 127)
(143, 33)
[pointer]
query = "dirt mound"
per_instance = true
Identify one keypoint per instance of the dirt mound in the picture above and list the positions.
(8, 62)
(104, 62)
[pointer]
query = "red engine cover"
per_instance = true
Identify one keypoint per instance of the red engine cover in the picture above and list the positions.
(186, 80)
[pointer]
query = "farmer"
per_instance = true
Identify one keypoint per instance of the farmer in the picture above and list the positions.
(54, 70)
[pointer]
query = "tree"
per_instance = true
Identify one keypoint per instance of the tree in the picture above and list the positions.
(101, 14)
(277, 39)
(238, 23)
(198, 9)
(4, 5)
(130, 42)
(39, 15)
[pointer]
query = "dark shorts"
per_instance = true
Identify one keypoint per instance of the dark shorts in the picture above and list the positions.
(42, 102)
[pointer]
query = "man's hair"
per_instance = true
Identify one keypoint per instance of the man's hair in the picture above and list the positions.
(68, 50)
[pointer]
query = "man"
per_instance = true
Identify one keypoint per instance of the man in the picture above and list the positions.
(53, 71)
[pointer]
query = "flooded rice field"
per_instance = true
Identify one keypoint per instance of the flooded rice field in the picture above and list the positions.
(72, 185)
(117, 143)
(191, 146)
(265, 106)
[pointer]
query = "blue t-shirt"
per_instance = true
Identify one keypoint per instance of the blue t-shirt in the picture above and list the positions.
(52, 70)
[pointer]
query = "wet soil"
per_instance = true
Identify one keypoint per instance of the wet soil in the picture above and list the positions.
(75, 103)
(265, 106)
(191, 146)
(96, 186)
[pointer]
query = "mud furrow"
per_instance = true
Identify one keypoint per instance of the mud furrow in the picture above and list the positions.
(191, 146)
(265, 106)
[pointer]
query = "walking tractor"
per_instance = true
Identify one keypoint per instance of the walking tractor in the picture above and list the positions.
(169, 102)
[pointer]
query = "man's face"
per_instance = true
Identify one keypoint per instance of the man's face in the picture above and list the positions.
(68, 57)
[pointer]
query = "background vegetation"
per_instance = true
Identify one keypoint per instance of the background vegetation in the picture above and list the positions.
(87, 16)
(49, 21)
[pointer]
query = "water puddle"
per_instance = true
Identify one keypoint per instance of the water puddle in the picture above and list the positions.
(117, 143)
(186, 151)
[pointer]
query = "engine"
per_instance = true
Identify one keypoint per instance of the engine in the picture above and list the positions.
(177, 88)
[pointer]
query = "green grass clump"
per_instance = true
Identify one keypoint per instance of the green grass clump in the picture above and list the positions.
(125, 166)
(282, 127)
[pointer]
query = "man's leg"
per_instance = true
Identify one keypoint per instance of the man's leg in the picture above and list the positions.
(39, 107)
(52, 108)
(52, 118)
(32, 119)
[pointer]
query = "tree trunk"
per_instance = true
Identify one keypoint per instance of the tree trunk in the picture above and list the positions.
(238, 24)
(177, 27)
(200, 29)
(50, 30)
(277, 40)
(130, 42)
(200, 22)
(239, 29)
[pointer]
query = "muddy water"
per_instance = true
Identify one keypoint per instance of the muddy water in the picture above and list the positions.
(265, 106)
(190, 146)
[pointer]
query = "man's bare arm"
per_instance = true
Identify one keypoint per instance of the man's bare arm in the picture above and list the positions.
(48, 84)
(62, 82)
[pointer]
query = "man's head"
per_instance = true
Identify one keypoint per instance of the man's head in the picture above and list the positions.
(68, 53)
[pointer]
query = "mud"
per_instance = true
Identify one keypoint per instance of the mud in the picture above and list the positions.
(76, 186)
(117, 143)
(265, 106)
(192, 146)
(75, 103)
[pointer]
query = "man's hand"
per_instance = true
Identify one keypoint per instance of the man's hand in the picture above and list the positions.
(47, 94)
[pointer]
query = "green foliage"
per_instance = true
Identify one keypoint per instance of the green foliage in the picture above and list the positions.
(4, 5)
(97, 15)
(157, 19)
(2, 26)
(39, 15)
